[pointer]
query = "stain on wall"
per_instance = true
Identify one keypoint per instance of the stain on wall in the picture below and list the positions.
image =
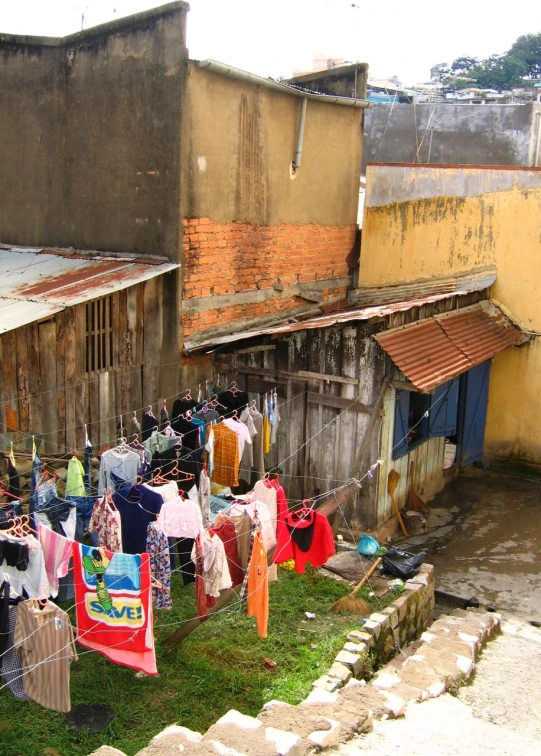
(437, 229)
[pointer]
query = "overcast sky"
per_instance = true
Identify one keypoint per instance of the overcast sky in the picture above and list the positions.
(276, 37)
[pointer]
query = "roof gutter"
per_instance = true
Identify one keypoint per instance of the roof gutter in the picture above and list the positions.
(237, 73)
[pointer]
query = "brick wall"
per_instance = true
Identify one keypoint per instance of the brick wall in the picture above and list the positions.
(237, 272)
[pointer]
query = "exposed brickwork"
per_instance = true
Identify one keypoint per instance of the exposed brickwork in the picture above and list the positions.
(235, 258)
(207, 320)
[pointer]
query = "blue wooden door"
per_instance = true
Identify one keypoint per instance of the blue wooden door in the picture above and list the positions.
(472, 414)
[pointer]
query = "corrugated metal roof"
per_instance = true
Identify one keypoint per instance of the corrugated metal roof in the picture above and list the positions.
(432, 351)
(461, 283)
(37, 283)
(414, 297)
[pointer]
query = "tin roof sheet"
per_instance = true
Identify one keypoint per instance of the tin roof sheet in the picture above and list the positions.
(432, 351)
(375, 302)
(37, 283)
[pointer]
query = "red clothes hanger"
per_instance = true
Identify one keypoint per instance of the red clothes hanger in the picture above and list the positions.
(45, 475)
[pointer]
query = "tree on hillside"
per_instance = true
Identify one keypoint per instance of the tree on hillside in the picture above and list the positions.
(527, 49)
(512, 69)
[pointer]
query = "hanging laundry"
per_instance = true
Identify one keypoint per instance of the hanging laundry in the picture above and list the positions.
(207, 414)
(265, 492)
(233, 399)
(164, 415)
(258, 442)
(215, 568)
(160, 566)
(241, 431)
(243, 529)
(306, 537)
(105, 521)
(57, 555)
(266, 426)
(209, 448)
(12, 665)
(282, 507)
(114, 606)
(4, 618)
(14, 480)
(224, 528)
(150, 423)
(258, 586)
(226, 456)
(200, 595)
(58, 514)
(138, 506)
(183, 405)
(259, 514)
(75, 479)
(274, 418)
(180, 518)
(247, 457)
(204, 497)
(120, 462)
(22, 560)
(44, 637)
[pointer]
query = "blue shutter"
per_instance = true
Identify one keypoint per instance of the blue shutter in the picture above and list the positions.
(473, 414)
(444, 410)
(401, 427)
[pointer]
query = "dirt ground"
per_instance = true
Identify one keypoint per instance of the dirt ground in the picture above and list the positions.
(484, 540)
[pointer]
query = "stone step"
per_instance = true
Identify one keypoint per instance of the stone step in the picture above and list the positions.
(172, 740)
(249, 736)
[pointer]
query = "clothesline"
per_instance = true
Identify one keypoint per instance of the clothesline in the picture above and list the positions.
(50, 658)
(313, 504)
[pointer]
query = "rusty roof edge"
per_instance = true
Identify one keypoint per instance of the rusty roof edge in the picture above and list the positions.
(475, 279)
(87, 254)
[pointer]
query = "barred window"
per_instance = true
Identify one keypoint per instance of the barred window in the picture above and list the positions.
(99, 335)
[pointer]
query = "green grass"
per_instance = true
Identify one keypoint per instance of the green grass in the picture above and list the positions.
(219, 667)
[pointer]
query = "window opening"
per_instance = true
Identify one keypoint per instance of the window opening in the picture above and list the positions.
(99, 335)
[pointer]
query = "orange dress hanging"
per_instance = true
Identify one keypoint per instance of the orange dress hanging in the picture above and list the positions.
(258, 586)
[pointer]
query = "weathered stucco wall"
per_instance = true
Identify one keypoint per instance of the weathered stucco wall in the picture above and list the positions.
(238, 148)
(423, 222)
(445, 133)
(258, 240)
(90, 136)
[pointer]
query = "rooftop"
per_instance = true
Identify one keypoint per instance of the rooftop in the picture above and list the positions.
(37, 283)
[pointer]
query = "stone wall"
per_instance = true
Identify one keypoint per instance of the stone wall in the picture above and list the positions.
(382, 635)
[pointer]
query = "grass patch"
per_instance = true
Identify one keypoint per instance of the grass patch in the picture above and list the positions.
(219, 667)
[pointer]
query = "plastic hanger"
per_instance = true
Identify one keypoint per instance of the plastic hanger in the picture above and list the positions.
(3, 492)
(45, 475)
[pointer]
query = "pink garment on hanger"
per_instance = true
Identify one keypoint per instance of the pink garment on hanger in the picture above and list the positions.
(57, 554)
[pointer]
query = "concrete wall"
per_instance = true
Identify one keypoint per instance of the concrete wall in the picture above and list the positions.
(451, 134)
(423, 221)
(258, 237)
(90, 136)
(345, 81)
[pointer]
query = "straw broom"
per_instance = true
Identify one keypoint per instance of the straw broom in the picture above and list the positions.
(352, 603)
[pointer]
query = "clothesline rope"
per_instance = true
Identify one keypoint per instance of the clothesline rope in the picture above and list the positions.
(358, 481)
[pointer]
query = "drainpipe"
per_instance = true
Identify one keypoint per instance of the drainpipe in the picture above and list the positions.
(300, 137)
(538, 139)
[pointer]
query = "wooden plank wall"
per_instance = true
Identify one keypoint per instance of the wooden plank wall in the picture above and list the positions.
(318, 444)
(44, 386)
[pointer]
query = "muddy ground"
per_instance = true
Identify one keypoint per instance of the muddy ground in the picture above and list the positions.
(484, 540)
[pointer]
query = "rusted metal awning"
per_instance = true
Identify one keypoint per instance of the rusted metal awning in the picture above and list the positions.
(37, 283)
(432, 351)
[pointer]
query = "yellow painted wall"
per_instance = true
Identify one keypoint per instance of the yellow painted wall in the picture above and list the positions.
(423, 222)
